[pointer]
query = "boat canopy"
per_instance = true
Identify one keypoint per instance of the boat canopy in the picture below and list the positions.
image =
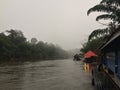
(89, 54)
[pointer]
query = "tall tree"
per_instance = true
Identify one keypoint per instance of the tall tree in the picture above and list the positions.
(111, 9)
(34, 40)
(111, 12)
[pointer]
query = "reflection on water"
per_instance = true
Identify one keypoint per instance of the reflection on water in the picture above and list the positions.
(44, 75)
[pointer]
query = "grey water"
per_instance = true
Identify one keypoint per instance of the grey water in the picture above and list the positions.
(44, 75)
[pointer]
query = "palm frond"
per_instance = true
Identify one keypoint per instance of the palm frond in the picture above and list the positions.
(111, 2)
(105, 17)
(98, 33)
(102, 8)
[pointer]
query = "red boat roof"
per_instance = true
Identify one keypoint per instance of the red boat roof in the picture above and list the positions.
(89, 54)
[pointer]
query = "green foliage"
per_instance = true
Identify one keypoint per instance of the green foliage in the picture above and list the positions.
(14, 46)
(106, 17)
(6, 47)
(98, 37)
(92, 45)
(111, 9)
(111, 2)
(33, 40)
(101, 8)
(99, 33)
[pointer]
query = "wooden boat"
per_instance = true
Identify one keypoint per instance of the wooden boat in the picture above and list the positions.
(106, 75)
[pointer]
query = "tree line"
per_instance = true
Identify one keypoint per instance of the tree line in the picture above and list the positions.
(15, 46)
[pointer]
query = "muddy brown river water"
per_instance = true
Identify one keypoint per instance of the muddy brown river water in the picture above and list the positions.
(44, 75)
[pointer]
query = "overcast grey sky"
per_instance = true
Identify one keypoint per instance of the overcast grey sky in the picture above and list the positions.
(62, 22)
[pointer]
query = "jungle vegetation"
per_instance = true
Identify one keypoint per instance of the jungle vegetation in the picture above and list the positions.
(111, 12)
(15, 46)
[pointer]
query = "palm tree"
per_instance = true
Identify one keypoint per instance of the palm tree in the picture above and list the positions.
(102, 32)
(111, 9)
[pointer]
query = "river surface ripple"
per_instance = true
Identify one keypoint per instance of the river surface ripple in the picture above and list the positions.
(44, 75)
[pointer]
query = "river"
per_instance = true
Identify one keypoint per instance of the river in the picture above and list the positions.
(44, 75)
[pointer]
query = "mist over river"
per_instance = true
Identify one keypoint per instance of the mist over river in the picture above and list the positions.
(44, 75)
